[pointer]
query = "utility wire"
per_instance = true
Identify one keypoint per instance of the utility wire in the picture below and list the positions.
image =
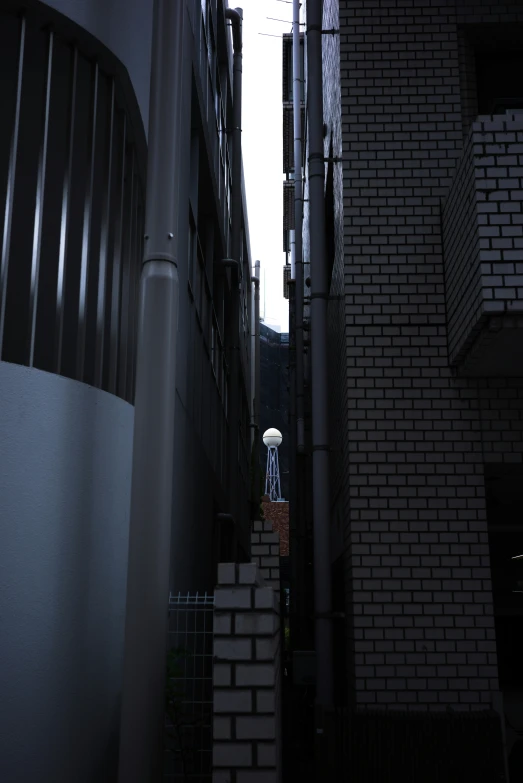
(285, 21)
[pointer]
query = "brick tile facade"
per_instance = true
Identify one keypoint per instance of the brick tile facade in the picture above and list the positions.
(278, 515)
(483, 231)
(246, 678)
(265, 552)
(409, 439)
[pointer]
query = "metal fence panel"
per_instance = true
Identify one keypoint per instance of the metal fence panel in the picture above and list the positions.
(374, 746)
(188, 730)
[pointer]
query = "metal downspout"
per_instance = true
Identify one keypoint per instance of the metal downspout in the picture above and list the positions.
(292, 243)
(236, 18)
(319, 369)
(257, 388)
(253, 353)
(297, 86)
(143, 701)
(295, 541)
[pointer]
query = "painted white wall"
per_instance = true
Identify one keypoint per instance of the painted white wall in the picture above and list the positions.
(65, 476)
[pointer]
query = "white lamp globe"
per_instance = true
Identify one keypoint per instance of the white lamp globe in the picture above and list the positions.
(272, 437)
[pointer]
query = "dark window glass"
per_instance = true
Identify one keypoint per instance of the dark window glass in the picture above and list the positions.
(499, 83)
(509, 641)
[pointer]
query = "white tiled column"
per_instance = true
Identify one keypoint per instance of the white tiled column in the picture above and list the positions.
(246, 739)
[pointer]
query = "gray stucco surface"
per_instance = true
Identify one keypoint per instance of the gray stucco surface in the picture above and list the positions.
(125, 27)
(65, 474)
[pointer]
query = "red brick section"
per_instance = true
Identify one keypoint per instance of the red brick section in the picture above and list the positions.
(278, 514)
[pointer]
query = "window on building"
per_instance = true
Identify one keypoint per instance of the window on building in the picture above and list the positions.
(504, 497)
(499, 83)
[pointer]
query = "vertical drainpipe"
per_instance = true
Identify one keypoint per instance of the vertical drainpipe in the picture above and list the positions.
(236, 18)
(253, 353)
(297, 86)
(319, 370)
(257, 390)
(294, 539)
(143, 700)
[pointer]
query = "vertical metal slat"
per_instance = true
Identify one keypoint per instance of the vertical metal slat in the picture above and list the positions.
(136, 272)
(64, 224)
(86, 240)
(126, 295)
(117, 276)
(102, 272)
(133, 299)
(39, 207)
(8, 215)
(132, 284)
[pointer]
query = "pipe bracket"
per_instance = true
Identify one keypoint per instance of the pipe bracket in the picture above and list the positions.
(316, 28)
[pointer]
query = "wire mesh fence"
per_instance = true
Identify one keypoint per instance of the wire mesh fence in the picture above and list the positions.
(188, 725)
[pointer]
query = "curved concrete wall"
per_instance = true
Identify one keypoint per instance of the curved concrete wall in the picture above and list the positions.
(65, 476)
(125, 27)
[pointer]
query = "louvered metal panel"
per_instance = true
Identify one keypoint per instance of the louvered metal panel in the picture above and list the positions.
(287, 67)
(286, 278)
(286, 241)
(288, 136)
(288, 205)
(288, 141)
(72, 194)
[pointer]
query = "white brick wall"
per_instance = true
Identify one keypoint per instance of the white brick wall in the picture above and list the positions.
(265, 553)
(247, 728)
(408, 464)
(483, 231)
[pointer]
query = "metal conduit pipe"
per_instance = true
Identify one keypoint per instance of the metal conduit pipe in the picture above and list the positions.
(292, 242)
(319, 377)
(256, 396)
(235, 16)
(256, 281)
(143, 700)
(294, 550)
(297, 82)
(232, 263)
(253, 354)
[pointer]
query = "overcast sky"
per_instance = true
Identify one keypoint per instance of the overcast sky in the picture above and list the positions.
(263, 146)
